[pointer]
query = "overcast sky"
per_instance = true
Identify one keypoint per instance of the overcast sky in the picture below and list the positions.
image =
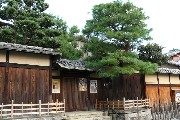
(164, 17)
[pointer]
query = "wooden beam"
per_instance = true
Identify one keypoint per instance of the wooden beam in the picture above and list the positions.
(50, 78)
(170, 84)
(6, 94)
(158, 88)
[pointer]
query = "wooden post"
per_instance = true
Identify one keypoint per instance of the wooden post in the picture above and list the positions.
(158, 89)
(133, 104)
(96, 104)
(39, 107)
(124, 104)
(137, 102)
(22, 109)
(108, 104)
(31, 108)
(1, 110)
(170, 86)
(64, 105)
(12, 109)
(113, 104)
(48, 108)
(56, 105)
(118, 104)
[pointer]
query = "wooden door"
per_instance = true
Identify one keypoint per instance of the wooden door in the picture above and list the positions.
(75, 99)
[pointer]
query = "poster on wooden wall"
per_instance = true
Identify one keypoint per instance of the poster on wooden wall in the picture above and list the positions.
(177, 96)
(93, 86)
(82, 84)
(55, 85)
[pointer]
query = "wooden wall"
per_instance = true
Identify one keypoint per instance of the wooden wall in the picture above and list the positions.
(2, 80)
(69, 90)
(162, 94)
(24, 77)
(159, 87)
(128, 86)
(24, 85)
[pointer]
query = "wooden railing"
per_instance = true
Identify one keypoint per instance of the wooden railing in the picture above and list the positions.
(124, 104)
(21, 110)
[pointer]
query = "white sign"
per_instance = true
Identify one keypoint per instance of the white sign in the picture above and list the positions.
(93, 86)
(178, 97)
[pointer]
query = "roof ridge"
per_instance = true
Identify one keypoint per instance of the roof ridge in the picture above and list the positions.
(26, 48)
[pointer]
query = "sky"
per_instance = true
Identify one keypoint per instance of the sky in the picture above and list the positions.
(164, 17)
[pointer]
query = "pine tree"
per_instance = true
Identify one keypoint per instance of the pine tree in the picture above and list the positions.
(115, 30)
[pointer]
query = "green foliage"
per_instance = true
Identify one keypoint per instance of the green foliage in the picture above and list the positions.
(152, 53)
(110, 62)
(114, 31)
(30, 24)
(122, 23)
(68, 44)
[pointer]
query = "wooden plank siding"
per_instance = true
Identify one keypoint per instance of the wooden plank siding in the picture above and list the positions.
(165, 93)
(128, 86)
(2, 80)
(25, 85)
(75, 99)
(69, 90)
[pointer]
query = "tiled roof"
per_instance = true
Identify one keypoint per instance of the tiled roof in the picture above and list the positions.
(168, 70)
(4, 22)
(25, 48)
(80, 65)
(172, 53)
(72, 64)
(174, 62)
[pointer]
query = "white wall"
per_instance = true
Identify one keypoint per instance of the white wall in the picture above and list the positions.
(2, 56)
(163, 79)
(29, 58)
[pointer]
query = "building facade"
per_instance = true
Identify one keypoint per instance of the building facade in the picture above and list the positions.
(25, 73)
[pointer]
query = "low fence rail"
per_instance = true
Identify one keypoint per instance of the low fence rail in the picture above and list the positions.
(21, 110)
(124, 104)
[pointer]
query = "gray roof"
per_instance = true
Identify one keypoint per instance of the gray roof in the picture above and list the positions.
(172, 53)
(168, 70)
(177, 63)
(25, 48)
(72, 64)
(4, 22)
(80, 65)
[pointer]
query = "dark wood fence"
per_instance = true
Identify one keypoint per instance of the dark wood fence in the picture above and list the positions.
(170, 111)
(123, 104)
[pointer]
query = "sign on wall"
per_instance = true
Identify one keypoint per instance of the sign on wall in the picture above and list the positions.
(93, 86)
(177, 96)
(55, 85)
(82, 84)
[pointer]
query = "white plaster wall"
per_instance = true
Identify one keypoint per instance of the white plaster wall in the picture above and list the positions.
(151, 79)
(2, 56)
(175, 79)
(163, 79)
(29, 58)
